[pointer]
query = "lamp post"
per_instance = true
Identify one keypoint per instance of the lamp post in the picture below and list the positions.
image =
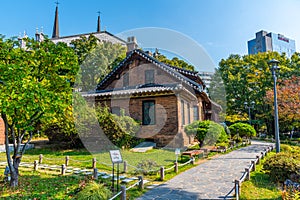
(274, 66)
(249, 107)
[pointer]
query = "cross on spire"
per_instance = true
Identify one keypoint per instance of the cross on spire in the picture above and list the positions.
(57, 3)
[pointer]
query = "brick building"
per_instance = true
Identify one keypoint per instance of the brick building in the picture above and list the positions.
(163, 98)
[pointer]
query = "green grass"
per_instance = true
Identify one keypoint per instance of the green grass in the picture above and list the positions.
(83, 159)
(41, 186)
(260, 186)
(50, 185)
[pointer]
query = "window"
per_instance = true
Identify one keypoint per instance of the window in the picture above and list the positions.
(182, 113)
(196, 113)
(189, 113)
(148, 112)
(149, 76)
(115, 110)
(126, 80)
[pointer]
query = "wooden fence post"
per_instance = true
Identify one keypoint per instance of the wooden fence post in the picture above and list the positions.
(237, 189)
(162, 173)
(95, 173)
(247, 171)
(125, 166)
(176, 167)
(262, 155)
(35, 165)
(123, 194)
(254, 166)
(141, 183)
(63, 169)
(94, 163)
(40, 158)
(258, 159)
(67, 161)
(193, 160)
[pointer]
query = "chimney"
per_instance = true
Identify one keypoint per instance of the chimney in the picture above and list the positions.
(131, 44)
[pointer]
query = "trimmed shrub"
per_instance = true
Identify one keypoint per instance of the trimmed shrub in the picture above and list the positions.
(207, 132)
(93, 191)
(283, 166)
(242, 129)
(120, 130)
(146, 166)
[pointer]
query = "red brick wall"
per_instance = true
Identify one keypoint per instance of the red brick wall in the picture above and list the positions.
(2, 135)
(166, 127)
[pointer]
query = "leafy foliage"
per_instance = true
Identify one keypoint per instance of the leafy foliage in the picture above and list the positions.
(93, 191)
(145, 167)
(248, 78)
(288, 102)
(173, 62)
(242, 129)
(36, 85)
(96, 60)
(283, 165)
(207, 132)
(119, 129)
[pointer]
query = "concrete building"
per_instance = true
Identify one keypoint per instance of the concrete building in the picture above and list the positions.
(206, 77)
(264, 42)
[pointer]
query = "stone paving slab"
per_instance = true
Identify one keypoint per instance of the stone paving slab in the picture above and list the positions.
(210, 180)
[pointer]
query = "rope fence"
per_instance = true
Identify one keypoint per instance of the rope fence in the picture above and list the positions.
(246, 175)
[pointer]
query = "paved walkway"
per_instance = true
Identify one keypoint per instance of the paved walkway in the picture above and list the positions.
(210, 180)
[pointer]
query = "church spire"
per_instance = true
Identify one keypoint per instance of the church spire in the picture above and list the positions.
(55, 33)
(99, 22)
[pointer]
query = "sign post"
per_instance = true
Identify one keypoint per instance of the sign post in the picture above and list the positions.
(116, 158)
(177, 153)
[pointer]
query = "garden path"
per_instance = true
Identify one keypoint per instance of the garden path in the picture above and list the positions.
(213, 179)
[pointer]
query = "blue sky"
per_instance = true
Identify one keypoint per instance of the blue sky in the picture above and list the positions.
(222, 27)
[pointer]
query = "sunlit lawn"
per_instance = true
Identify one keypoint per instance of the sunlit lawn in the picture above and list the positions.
(45, 184)
(260, 186)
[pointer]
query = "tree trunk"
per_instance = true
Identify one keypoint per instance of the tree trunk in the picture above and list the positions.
(14, 181)
(15, 173)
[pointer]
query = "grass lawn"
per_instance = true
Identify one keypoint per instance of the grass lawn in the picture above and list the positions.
(260, 186)
(83, 159)
(50, 185)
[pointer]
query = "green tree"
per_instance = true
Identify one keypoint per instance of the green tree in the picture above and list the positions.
(288, 99)
(207, 132)
(248, 78)
(173, 62)
(97, 59)
(36, 83)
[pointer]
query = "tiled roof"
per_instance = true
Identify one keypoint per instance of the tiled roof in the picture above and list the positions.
(87, 34)
(171, 70)
(141, 89)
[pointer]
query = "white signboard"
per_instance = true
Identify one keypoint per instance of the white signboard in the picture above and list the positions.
(177, 151)
(115, 156)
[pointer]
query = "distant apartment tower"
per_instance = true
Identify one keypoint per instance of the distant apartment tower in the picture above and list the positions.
(206, 77)
(265, 42)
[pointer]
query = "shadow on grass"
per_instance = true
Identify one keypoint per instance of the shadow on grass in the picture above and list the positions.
(33, 185)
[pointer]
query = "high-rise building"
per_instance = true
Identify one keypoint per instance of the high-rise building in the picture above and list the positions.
(264, 42)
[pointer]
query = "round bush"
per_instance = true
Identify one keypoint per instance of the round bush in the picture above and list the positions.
(207, 132)
(244, 130)
(283, 166)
